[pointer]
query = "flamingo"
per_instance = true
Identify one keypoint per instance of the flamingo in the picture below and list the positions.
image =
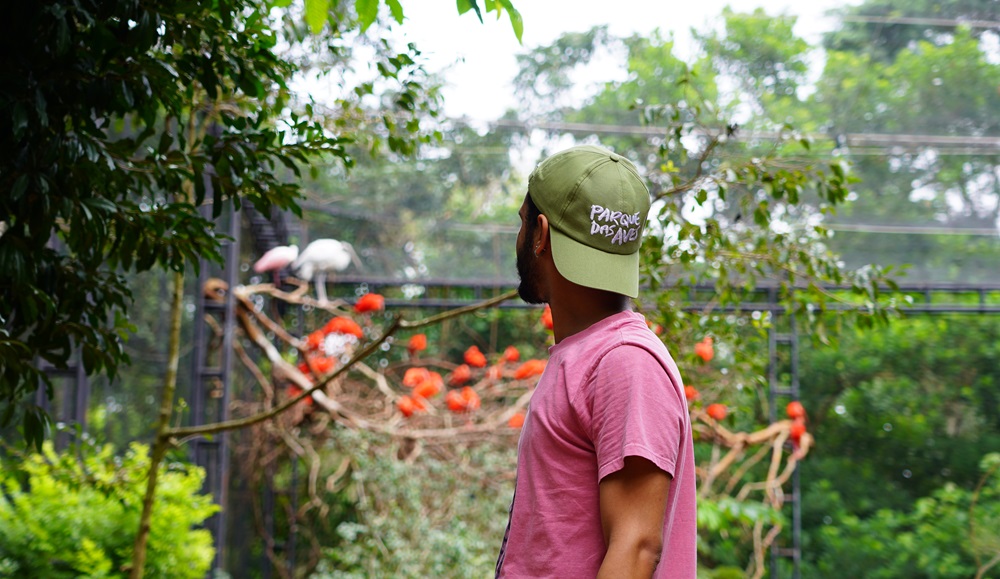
(322, 257)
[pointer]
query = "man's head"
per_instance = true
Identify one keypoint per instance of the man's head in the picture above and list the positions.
(596, 205)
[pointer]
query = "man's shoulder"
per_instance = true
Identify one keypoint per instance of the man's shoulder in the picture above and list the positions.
(638, 346)
(632, 352)
(635, 332)
(626, 337)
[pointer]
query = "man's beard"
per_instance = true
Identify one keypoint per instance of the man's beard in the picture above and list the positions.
(526, 271)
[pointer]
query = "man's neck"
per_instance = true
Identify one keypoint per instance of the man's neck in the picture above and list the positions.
(575, 308)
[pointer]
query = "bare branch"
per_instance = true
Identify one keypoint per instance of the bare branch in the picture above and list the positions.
(312, 389)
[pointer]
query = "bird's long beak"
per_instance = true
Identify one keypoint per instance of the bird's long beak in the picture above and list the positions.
(354, 256)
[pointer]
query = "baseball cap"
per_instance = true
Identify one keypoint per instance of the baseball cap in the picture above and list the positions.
(596, 205)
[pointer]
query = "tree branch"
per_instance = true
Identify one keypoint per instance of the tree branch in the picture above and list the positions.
(396, 324)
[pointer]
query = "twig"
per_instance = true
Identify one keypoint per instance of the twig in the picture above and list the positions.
(706, 484)
(735, 478)
(297, 297)
(378, 379)
(699, 171)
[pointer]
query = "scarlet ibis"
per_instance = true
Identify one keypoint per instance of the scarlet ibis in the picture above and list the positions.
(322, 257)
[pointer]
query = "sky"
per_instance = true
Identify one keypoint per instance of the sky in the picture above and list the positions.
(480, 62)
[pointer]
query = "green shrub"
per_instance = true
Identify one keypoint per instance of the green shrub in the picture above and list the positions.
(76, 513)
(951, 534)
(441, 516)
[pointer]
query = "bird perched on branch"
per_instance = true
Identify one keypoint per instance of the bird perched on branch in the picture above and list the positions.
(321, 257)
(276, 258)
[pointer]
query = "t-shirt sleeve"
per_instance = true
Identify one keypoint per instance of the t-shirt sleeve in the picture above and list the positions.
(636, 411)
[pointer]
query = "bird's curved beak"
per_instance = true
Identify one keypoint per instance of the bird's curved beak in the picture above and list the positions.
(354, 256)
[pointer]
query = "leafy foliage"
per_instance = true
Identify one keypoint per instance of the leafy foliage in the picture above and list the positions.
(906, 414)
(779, 65)
(900, 395)
(918, 542)
(108, 107)
(498, 6)
(722, 536)
(120, 120)
(74, 514)
(880, 27)
(442, 515)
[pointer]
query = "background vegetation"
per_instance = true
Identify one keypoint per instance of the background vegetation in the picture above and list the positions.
(74, 514)
(768, 170)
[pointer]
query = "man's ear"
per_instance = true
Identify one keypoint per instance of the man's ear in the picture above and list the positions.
(541, 241)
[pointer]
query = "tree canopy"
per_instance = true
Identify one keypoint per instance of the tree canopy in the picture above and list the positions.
(122, 119)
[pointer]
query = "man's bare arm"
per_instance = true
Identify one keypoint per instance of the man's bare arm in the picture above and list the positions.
(633, 503)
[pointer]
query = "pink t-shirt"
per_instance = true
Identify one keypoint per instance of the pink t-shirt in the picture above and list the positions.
(607, 392)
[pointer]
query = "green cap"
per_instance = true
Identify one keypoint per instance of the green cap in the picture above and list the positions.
(596, 205)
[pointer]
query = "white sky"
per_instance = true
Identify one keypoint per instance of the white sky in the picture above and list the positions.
(481, 57)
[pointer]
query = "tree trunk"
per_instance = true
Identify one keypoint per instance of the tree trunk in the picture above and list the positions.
(162, 442)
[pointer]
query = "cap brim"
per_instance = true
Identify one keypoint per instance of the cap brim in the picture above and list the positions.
(594, 268)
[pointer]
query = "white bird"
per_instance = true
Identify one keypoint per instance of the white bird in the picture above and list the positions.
(322, 257)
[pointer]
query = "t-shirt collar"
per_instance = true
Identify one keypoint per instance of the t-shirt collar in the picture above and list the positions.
(594, 328)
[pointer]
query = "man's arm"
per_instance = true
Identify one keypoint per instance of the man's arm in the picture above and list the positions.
(633, 503)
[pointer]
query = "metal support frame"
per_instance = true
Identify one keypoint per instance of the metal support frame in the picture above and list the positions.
(777, 389)
(75, 401)
(289, 545)
(75, 398)
(267, 232)
(759, 300)
(211, 383)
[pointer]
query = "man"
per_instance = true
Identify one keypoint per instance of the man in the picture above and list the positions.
(605, 472)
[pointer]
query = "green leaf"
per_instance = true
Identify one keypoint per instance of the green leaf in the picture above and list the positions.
(35, 422)
(20, 185)
(396, 9)
(166, 141)
(367, 12)
(516, 22)
(20, 119)
(41, 107)
(760, 216)
(466, 5)
(838, 169)
(316, 14)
